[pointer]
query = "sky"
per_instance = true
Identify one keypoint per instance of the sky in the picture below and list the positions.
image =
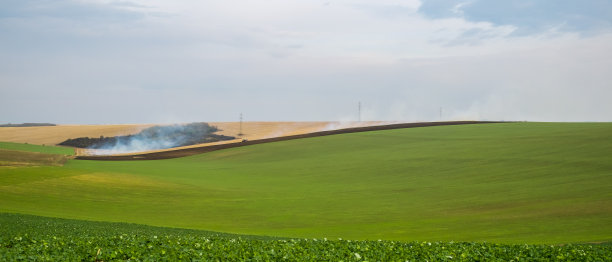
(159, 61)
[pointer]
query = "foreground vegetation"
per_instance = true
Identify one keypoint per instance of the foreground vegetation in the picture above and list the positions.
(24, 237)
(505, 183)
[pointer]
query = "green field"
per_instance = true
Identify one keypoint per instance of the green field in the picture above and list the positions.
(24, 237)
(37, 148)
(19, 155)
(503, 183)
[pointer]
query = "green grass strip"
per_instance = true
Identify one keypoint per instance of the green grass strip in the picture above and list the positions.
(37, 148)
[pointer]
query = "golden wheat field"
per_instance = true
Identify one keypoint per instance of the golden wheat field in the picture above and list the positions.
(52, 135)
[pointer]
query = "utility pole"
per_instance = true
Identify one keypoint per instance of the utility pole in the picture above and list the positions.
(240, 133)
(440, 113)
(359, 111)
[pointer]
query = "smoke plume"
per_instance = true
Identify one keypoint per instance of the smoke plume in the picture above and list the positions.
(152, 138)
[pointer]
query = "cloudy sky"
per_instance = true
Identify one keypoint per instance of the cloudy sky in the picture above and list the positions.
(160, 61)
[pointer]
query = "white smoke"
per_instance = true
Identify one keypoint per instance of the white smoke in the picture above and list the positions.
(156, 138)
(132, 146)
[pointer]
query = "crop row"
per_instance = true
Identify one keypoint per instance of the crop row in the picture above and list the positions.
(46, 239)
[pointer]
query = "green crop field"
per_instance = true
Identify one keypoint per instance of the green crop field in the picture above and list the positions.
(14, 155)
(24, 237)
(37, 148)
(505, 183)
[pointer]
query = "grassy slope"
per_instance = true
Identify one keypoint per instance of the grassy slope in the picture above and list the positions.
(36, 148)
(519, 182)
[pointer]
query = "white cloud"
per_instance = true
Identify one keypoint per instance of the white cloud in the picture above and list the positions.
(294, 60)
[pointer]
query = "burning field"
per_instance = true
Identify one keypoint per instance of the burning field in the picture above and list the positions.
(129, 139)
(152, 138)
(134, 142)
(203, 148)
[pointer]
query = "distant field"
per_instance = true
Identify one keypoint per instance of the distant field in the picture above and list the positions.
(507, 183)
(209, 147)
(52, 135)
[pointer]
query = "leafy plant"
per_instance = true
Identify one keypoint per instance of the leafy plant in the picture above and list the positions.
(25, 237)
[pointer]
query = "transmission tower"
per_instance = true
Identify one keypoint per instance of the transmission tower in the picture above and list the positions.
(240, 133)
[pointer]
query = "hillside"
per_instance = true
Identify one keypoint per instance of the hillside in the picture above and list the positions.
(512, 183)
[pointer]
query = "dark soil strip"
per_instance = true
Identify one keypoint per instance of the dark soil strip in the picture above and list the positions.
(204, 149)
(27, 125)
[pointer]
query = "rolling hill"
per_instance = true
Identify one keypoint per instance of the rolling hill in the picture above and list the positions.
(510, 183)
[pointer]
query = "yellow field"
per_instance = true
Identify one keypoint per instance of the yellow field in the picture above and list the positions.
(52, 135)
(259, 130)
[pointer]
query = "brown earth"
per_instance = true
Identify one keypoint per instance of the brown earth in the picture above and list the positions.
(203, 148)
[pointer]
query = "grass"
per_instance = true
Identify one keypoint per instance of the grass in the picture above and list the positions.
(507, 183)
(15, 154)
(20, 158)
(33, 238)
(37, 148)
